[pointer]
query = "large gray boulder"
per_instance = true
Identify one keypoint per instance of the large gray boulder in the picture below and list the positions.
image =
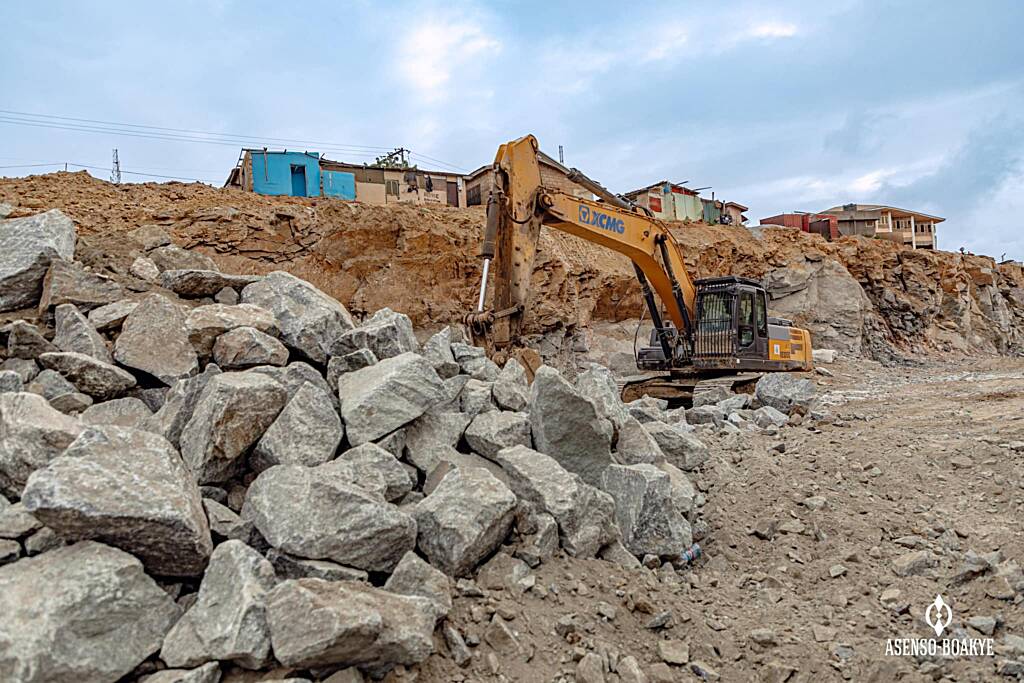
(511, 389)
(489, 432)
(73, 332)
(432, 435)
(150, 236)
(644, 511)
(350, 362)
(111, 316)
(245, 347)
(413, 576)
(68, 282)
(310, 321)
(228, 621)
(102, 381)
(196, 284)
(204, 324)
(464, 520)
(173, 257)
(567, 426)
(316, 623)
(598, 384)
(473, 361)
(85, 612)
(16, 522)
(26, 368)
(62, 394)
(783, 391)
(375, 469)
(294, 376)
(10, 381)
(451, 459)
(231, 414)
(438, 350)
(319, 513)
(179, 404)
(128, 412)
(32, 433)
(386, 334)
(27, 246)
(475, 397)
(766, 416)
(153, 340)
(681, 448)
(380, 398)
(684, 493)
(635, 445)
(306, 432)
(25, 340)
(129, 489)
(207, 673)
(585, 515)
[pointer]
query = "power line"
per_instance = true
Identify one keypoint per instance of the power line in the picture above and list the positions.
(152, 136)
(438, 162)
(200, 132)
(56, 163)
(189, 135)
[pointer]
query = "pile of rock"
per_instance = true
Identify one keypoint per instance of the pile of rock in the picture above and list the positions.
(218, 470)
(235, 454)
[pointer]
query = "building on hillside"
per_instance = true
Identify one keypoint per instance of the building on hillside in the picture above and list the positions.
(669, 201)
(307, 174)
(675, 202)
(910, 228)
(552, 174)
(817, 223)
(712, 210)
(732, 213)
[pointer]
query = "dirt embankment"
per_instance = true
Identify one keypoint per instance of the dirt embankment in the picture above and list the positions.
(862, 296)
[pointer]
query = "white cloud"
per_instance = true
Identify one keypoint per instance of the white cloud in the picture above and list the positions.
(436, 49)
(665, 42)
(772, 29)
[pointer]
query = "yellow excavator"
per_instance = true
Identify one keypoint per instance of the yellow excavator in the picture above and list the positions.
(715, 331)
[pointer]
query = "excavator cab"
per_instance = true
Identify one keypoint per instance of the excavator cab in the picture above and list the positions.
(732, 331)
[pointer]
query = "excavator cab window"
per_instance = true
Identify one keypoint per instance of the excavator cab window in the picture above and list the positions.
(761, 311)
(745, 320)
(716, 311)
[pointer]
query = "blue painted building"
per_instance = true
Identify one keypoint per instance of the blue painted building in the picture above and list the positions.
(295, 174)
(290, 174)
(308, 174)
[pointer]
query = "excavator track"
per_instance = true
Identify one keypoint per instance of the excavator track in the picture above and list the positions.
(680, 389)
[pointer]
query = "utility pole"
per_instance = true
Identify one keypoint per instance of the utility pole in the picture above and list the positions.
(561, 155)
(115, 169)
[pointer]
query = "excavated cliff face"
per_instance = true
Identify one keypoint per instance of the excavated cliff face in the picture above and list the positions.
(858, 295)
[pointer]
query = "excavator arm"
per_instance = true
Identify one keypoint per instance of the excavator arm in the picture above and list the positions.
(520, 204)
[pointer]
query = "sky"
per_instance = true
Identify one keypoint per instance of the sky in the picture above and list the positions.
(781, 106)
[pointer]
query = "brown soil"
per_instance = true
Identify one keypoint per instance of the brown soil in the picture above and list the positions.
(422, 261)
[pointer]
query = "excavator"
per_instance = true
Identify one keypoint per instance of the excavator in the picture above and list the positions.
(708, 332)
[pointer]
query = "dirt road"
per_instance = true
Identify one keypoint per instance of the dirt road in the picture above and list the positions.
(802, 579)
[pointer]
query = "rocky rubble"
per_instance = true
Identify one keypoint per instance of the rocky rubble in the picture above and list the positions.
(259, 501)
